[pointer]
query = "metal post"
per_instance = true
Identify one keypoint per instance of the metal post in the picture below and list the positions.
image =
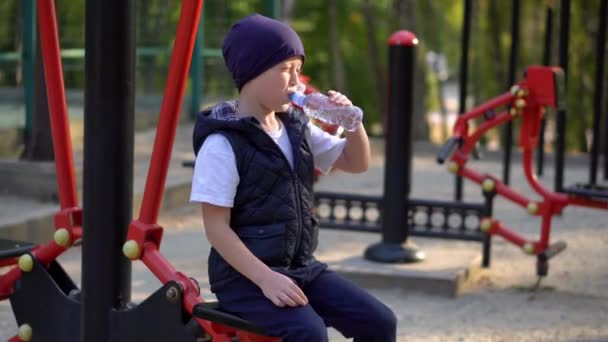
(561, 114)
(274, 9)
(508, 141)
(108, 162)
(599, 91)
(397, 168)
(487, 238)
(28, 56)
(540, 152)
(464, 70)
(195, 71)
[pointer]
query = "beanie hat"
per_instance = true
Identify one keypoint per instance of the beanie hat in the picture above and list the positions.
(256, 43)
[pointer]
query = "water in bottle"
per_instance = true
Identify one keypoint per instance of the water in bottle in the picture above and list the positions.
(319, 106)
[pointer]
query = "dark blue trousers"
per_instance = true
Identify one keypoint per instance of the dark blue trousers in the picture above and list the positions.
(333, 302)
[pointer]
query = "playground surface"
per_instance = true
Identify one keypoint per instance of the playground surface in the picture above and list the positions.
(572, 304)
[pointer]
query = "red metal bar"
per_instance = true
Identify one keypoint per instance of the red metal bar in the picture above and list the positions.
(500, 229)
(60, 129)
(170, 109)
(501, 188)
(548, 195)
(478, 111)
(545, 231)
(8, 262)
(471, 140)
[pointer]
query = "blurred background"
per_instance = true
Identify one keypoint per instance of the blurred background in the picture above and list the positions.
(346, 45)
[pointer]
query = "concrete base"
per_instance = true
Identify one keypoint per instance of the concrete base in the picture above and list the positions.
(449, 269)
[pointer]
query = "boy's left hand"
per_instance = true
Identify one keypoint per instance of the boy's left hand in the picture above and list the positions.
(339, 98)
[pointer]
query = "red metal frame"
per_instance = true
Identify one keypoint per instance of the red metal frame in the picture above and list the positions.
(69, 217)
(526, 100)
(145, 231)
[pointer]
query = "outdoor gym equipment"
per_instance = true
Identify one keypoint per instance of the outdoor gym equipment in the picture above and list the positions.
(47, 304)
(542, 87)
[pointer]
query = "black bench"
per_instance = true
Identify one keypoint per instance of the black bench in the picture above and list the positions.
(588, 190)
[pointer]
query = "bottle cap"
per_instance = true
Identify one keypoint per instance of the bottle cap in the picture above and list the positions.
(298, 98)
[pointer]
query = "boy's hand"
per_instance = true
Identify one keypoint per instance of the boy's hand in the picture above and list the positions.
(281, 290)
(339, 98)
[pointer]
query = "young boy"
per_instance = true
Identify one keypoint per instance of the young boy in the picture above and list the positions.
(253, 176)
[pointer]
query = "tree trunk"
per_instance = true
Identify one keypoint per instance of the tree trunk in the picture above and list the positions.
(376, 71)
(39, 145)
(338, 73)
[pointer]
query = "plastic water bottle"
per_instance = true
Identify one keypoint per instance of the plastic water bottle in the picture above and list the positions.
(319, 106)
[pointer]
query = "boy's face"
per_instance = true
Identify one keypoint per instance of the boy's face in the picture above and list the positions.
(271, 89)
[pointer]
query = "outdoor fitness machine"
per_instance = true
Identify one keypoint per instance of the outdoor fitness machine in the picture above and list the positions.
(543, 87)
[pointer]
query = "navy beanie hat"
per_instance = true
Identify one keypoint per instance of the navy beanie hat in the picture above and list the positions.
(256, 43)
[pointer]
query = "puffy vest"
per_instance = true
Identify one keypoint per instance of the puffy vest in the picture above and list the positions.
(272, 212)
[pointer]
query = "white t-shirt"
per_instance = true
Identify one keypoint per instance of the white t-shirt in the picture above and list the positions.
(216, 176)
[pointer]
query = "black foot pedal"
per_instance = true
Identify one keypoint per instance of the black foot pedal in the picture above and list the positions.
(554, 249)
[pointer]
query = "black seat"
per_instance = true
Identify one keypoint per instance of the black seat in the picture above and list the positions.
(588, 190)
(12, 248)
(211, 311)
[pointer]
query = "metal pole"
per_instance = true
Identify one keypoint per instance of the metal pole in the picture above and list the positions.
(464, 69)
(274, 9)
(28, 56)
(58, 109)
(397, 169)
(508, 141)
(561, 114)
(108, 162)
(540, 153)
(599, 91)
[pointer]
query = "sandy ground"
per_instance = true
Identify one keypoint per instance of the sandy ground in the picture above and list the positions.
(572, 304)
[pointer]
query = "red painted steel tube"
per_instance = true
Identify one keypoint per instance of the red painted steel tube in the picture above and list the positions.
(498, 101)
(60, 129)
(545, 230)
(535, 184)
(501, 188)
(508, 234)
(170, 109)
(8, 262)
(471, 140)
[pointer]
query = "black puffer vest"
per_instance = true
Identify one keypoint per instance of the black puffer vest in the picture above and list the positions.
(272, 212)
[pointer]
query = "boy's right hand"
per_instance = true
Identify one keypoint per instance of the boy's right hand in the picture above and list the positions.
(281, 290)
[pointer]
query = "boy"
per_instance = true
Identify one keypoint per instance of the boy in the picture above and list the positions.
(253, 177)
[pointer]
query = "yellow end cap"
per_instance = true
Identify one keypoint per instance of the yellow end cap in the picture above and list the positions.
(486, 225)
(62, 237)
(520, 103)
(131, 250)
(514, 89)
(514, 112)
(453, 167)
(25, 332)
(26, 263)
(488, 185)
(522, 92)
(532, 208)
(528, 248)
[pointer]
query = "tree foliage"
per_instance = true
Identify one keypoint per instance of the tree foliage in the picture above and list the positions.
(346, 45)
